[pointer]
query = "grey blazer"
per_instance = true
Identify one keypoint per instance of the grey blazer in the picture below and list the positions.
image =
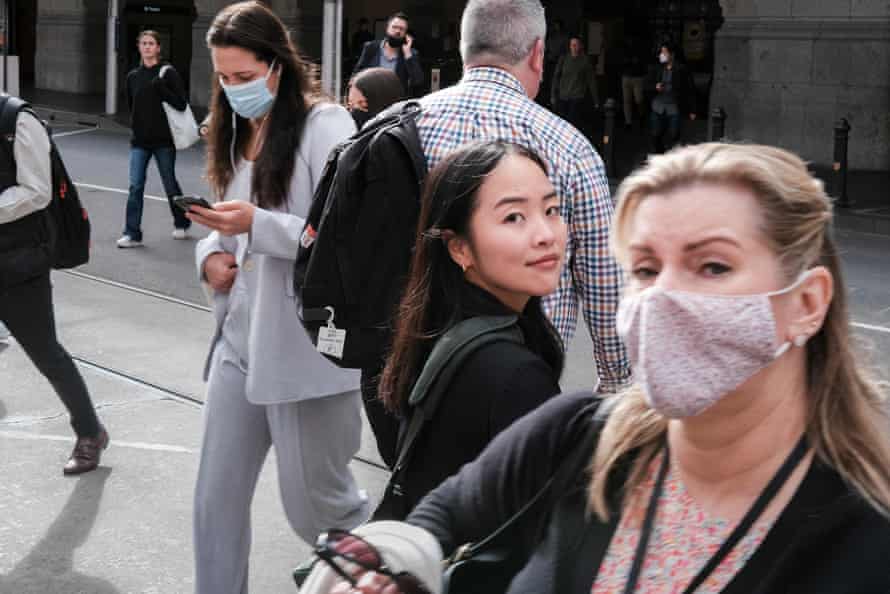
(283, 363)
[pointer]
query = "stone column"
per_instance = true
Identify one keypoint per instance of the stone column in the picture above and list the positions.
(785, 70)
(70, 46)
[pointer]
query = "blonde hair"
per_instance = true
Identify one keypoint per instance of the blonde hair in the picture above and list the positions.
(846, 422)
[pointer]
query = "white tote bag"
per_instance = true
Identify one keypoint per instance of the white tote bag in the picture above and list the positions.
(183, 127)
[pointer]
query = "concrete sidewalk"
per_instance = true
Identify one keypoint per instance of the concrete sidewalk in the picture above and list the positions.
(127, 526)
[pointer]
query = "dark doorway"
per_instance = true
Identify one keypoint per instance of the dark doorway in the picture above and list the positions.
(172, 19)
(23, 37)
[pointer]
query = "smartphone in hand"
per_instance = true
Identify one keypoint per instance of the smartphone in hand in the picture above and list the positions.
(183, 202)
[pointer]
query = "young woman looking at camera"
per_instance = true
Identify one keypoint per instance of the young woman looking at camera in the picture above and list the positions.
(491, 242)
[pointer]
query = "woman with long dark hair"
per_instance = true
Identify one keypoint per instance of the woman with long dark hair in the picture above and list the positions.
(491, 242)
(269, 138)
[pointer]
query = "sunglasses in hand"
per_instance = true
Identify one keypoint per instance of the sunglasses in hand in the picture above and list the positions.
(335, 546)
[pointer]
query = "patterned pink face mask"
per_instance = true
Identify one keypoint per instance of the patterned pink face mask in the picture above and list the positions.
(688, 350)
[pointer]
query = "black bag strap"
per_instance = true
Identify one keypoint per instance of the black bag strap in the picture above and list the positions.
(577, 458)
(447, 356)
(9, 111)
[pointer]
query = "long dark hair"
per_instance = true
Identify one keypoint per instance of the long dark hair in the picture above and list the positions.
(380, 86)
(253, 27)
(432, 302)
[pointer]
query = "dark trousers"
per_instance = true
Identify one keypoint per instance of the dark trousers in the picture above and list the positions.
(27, 312)
(165, 158)
(384, 424)
(665, 131)
(574, 111)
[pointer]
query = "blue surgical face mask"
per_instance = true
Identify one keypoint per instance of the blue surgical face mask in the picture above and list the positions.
(251, 99)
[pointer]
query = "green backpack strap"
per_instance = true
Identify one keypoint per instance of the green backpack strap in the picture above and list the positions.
(447, 357)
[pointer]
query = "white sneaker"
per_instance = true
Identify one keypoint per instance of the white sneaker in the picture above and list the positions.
(127, 242)
(180, 234)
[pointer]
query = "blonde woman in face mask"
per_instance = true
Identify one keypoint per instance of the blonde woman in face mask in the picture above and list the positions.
(753, 453)
(269, 137)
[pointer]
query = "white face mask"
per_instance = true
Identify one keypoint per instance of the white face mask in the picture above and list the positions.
(688, 350)
(663, 58)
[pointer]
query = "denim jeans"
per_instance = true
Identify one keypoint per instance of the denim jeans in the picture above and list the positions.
(665, 129)
(165, 158)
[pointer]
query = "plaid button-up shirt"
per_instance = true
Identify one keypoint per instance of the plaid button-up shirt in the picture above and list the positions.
(490, 103)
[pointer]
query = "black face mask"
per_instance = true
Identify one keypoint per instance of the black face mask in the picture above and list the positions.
(360, 117)
(395, 42)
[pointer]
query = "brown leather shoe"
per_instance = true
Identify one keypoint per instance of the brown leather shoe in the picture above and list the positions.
(86, 454)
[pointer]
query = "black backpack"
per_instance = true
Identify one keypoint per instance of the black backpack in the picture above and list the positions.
(356, 247)
(68, 220)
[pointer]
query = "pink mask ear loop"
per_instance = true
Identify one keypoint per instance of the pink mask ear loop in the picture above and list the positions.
(800, 340)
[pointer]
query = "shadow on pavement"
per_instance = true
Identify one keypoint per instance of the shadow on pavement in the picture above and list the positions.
(49, 567)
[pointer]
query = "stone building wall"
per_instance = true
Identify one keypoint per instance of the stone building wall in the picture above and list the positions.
(70, 54)
(786, 70)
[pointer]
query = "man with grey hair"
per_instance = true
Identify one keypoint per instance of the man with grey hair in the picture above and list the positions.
(502, 45)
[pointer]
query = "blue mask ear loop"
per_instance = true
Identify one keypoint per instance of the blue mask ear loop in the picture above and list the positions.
(234, 137)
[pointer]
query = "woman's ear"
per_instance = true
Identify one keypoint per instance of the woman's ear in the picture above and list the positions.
(458, 249)
(811, 305)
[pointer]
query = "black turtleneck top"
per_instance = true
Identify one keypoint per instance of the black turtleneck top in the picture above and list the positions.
(498, 383)
(145, 92)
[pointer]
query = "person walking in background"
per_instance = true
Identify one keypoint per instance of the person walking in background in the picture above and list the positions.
(146, 90)
(370, 92)
(575, 89)
(396, 52)
(633, 75)
(491, 243)
(26, 299)
(753, 455)
(674, 97)
(502, 45)
(556, 46)
(269, 139)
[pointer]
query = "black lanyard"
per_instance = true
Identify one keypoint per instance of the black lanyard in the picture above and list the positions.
(738, 533)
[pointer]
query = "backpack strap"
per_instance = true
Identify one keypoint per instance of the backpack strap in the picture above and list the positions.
(9, 111)
(448, 355)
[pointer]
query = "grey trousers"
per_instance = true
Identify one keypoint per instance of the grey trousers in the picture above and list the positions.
(314, 441)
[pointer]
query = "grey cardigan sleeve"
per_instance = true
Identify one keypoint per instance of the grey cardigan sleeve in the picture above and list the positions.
(276, 233)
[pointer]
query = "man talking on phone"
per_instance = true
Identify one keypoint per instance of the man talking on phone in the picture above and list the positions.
(396, 52)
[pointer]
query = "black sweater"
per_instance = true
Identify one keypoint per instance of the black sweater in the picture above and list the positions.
(497, 384)
(145, 92)
(828, 540)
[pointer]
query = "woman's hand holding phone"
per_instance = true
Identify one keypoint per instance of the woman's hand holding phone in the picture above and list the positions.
(229, 218)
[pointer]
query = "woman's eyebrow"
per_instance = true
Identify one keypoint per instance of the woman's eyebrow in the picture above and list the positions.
(522, 199)
(690, 247)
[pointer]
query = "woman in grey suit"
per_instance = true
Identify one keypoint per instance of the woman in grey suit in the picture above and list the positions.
(268, 140)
